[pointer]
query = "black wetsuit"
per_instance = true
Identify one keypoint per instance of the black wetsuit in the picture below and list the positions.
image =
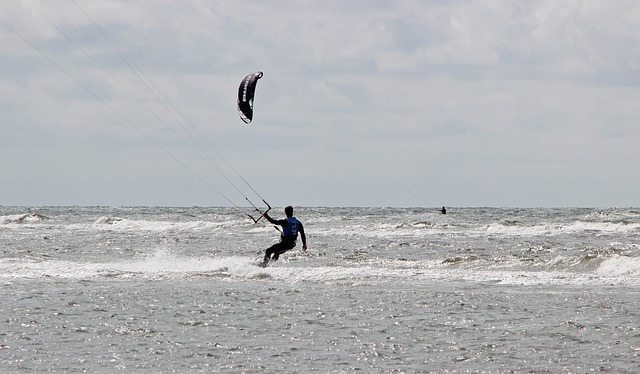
(290, 229)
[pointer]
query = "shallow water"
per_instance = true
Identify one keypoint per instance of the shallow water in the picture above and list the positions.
(380, 290)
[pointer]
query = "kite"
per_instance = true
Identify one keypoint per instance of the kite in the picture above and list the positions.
(245, 96)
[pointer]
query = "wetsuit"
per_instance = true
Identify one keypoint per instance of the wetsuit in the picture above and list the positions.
(289, 234)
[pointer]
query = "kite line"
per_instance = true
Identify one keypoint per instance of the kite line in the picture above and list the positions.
(181, 119)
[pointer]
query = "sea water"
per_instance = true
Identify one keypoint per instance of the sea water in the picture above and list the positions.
(161, 290)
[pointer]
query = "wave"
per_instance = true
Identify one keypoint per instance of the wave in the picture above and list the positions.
(22, 218)
(510, 228)
(125, 224)
(620, 266)
(616, 215)
(160, 265)
(167, 267)
(515, 228)
(560, 270)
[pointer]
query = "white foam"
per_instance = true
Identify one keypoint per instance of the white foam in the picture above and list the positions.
(20, 218)
(515, 230)
(620, 266)
(123, 224)
(33, 268)
(165, 263)
(161, 264)
(617, 270)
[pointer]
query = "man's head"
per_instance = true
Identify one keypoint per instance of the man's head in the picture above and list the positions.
(288, 210)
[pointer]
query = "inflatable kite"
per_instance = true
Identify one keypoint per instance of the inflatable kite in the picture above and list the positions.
(245, 96)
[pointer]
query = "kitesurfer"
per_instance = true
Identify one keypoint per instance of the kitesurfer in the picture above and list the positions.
(443, 210)
(291, 226)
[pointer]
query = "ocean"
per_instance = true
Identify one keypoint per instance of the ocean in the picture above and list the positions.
(380, 290)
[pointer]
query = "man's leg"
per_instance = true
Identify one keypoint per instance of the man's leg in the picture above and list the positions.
(282, 249)
(273, 250)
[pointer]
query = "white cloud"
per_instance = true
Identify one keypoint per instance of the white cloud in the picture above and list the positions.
(473, 101)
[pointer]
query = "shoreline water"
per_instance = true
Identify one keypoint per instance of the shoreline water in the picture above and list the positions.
(158, 289)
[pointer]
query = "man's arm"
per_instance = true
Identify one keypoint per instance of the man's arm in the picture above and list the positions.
(266, 216)
(303, 237)
(280, 222)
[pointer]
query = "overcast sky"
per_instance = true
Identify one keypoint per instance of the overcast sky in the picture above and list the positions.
(362, 103)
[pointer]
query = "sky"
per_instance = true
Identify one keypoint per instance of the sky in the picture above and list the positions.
(363, 103)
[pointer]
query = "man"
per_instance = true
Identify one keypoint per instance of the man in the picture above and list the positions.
(288, 236)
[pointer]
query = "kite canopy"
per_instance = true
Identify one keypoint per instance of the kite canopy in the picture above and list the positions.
(245, 95)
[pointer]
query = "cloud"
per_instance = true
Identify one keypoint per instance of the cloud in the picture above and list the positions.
(470, 101)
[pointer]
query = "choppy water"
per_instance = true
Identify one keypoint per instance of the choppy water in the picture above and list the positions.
(381, 290)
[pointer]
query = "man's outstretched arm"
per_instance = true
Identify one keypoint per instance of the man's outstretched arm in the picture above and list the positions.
(280, 222)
